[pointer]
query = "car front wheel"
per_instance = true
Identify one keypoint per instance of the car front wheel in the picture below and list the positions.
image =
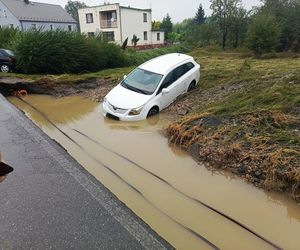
(4, 68)
(153, 111)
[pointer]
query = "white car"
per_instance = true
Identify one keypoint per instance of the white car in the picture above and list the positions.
(151, 87)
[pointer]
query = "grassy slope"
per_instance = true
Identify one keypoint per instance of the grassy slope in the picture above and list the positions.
(258, 137)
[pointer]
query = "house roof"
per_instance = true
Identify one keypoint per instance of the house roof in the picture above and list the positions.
(131, 8)
(39, 12)
(117, 4)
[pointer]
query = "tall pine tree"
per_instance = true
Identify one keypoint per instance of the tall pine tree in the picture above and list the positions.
(200, 15)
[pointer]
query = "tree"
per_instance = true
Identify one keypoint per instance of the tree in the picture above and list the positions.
(124, 45)
(223, 14)
(72, 8)
(134, 40)
(238, 28)
(287, 16)
(263, 34)
(156, 25)
(200, 15)
(167, 25)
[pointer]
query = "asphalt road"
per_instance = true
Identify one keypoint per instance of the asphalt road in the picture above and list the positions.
(51, 202)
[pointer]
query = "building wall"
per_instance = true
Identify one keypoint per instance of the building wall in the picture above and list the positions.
(95, 26)
(132, 23)
(45, 26)
(7, 18)
(154, 37)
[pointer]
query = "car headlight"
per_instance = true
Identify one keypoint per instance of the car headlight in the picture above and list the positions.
(105, 100)
(136, 111)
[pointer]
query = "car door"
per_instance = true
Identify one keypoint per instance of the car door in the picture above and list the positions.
(173, 85)
(2, 57)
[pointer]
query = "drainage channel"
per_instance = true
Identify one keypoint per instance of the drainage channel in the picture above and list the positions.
(211, 241)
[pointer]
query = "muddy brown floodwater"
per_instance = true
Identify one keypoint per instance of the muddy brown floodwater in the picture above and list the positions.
(160, 184)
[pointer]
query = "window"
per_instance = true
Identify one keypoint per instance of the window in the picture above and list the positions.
(170, 78)
(51, 27)
(180, 71)
(175, 74)
(91, 34)
(33, 26)
(142, 81)
(145, 35)
(189, 66)
(109, 36)
(145, 17)
(158, 36)
(89, 18)
(70, 27)
(11, 26)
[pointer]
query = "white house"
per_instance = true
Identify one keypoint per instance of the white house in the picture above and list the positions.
(25, 14)
(117, 23)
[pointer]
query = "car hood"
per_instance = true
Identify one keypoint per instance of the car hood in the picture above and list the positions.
(125, 98)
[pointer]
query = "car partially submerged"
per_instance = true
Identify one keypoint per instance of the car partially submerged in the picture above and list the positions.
(151, 87)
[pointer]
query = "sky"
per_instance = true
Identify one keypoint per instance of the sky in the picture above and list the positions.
(177, 9)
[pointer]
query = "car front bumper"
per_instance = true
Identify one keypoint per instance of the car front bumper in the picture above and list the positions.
(110, 113)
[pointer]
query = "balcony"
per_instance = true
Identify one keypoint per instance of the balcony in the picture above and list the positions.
(108, 24)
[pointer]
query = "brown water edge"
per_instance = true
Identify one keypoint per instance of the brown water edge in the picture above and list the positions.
(272, 215)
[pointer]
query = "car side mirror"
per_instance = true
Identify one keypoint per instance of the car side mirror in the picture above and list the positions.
(165, 91)
(124, 76)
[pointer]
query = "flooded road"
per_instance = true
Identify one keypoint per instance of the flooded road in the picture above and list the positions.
(162, 184)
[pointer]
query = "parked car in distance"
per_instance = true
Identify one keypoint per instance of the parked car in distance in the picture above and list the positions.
(151, 87)
(7, 60)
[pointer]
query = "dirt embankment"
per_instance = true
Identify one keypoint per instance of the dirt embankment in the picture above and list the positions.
(94, 89)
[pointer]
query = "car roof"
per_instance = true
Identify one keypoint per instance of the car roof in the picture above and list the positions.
(163, 64)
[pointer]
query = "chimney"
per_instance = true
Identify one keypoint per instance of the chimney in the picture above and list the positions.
(26, 1)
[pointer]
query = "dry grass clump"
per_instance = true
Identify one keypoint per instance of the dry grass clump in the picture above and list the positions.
(259, 146)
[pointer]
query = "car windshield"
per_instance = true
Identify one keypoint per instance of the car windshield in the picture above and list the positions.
(9, 52)
(142, 81)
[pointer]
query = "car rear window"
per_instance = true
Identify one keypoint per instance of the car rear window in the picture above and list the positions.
(9, 52)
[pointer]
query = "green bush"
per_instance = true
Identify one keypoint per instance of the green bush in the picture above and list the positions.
(134, 57)
(58, 52)
(7, 37)
(263, 34)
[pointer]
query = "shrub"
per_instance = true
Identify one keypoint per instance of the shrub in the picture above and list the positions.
(263, 34)
(138, 57)
(7, 37)
(65, 52)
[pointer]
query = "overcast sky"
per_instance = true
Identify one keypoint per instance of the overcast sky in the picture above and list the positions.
(178, 9)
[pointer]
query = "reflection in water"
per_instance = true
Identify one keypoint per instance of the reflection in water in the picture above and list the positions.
(58, 109)
(166, 210)
(153, 123)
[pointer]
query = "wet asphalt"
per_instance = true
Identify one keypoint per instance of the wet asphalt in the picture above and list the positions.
(51, 202)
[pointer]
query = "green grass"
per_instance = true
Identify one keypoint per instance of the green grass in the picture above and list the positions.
(272, 84)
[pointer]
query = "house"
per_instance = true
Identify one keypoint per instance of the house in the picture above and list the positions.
(117, 23)
(24, 14)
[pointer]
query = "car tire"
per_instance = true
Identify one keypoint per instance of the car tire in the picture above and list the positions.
(191, 86)
(153, 111)
(4, 68)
